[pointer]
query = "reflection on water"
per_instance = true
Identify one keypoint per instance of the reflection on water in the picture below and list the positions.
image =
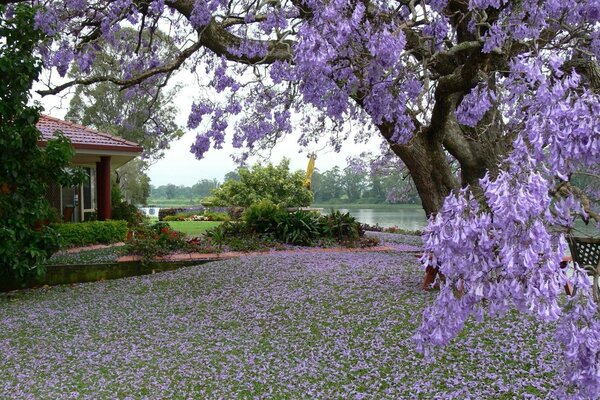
(414, 219)
(405, 218)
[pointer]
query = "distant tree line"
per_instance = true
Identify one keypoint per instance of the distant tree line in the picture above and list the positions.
(351, 186)
(336, 185)
(199, 190)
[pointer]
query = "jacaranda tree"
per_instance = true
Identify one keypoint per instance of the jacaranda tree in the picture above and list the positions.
(492, 105)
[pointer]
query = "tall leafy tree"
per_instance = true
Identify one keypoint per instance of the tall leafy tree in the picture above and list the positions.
(204, 187)
(146, 117)
(353, 183)
(330, 185)
(133, 182)
(272, 182)
(170, 191)
(491, 105)
(25, 169)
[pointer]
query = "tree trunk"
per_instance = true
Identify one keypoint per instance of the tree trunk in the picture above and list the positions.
(428, 167)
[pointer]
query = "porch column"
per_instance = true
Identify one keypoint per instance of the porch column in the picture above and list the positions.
(103, 188)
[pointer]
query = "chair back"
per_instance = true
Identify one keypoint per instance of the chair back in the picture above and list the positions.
(585, 251)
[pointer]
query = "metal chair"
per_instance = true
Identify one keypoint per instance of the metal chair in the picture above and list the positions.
(585, 251)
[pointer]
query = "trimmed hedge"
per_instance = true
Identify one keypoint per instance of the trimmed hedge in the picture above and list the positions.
(164, 212)
(92, 232)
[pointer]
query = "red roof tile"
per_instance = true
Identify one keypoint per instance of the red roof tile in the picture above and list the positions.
(83, 137)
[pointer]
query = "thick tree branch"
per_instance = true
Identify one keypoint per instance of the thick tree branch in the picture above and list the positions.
(126, 83)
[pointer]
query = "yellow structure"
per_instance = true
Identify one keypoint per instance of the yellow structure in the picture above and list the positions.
(309, 169)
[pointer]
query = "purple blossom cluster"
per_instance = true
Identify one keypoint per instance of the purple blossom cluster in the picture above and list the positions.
(474, 106)
(319, 326)
(505, 250)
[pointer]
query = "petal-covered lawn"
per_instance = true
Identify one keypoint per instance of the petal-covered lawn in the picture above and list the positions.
(329, 326)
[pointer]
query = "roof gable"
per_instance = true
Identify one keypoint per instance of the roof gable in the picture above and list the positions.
(83, 137)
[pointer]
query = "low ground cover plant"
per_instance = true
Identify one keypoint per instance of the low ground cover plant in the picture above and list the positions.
(328, 326)
(95, 256)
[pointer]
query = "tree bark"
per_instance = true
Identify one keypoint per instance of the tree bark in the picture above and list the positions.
(428, 166)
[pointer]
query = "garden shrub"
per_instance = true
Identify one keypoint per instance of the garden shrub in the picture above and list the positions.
(217, 235)
(235, 212)
(237, 236)
(263, 216)
(93, 232)
(216, 216)
(342, 225)
(123, 210)
(163, 212)
(299, 228)
(156, 240)
(195, 216)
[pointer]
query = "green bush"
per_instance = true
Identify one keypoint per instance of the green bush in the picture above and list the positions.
(236, 213)
(93, 232)
(170, 218)
(272, 182)
(238, 237)
(216, 216)
(299, 228)
(342, 226)
(156, 240)
(164, 212)
(123, 210)
(263, 216)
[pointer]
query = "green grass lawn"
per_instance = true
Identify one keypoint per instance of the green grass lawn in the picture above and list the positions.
(193, 228)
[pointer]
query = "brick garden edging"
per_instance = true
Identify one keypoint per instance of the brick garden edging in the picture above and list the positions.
(236, 254)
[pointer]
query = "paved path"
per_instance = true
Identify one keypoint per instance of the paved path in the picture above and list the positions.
(235, 254)
(93, 247)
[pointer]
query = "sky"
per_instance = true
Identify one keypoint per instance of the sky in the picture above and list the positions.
(180, 167)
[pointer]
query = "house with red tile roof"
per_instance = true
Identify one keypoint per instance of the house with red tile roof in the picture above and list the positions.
(98, 153)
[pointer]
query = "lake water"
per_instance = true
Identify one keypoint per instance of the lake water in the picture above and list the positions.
(414, 219)
(405, 218)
